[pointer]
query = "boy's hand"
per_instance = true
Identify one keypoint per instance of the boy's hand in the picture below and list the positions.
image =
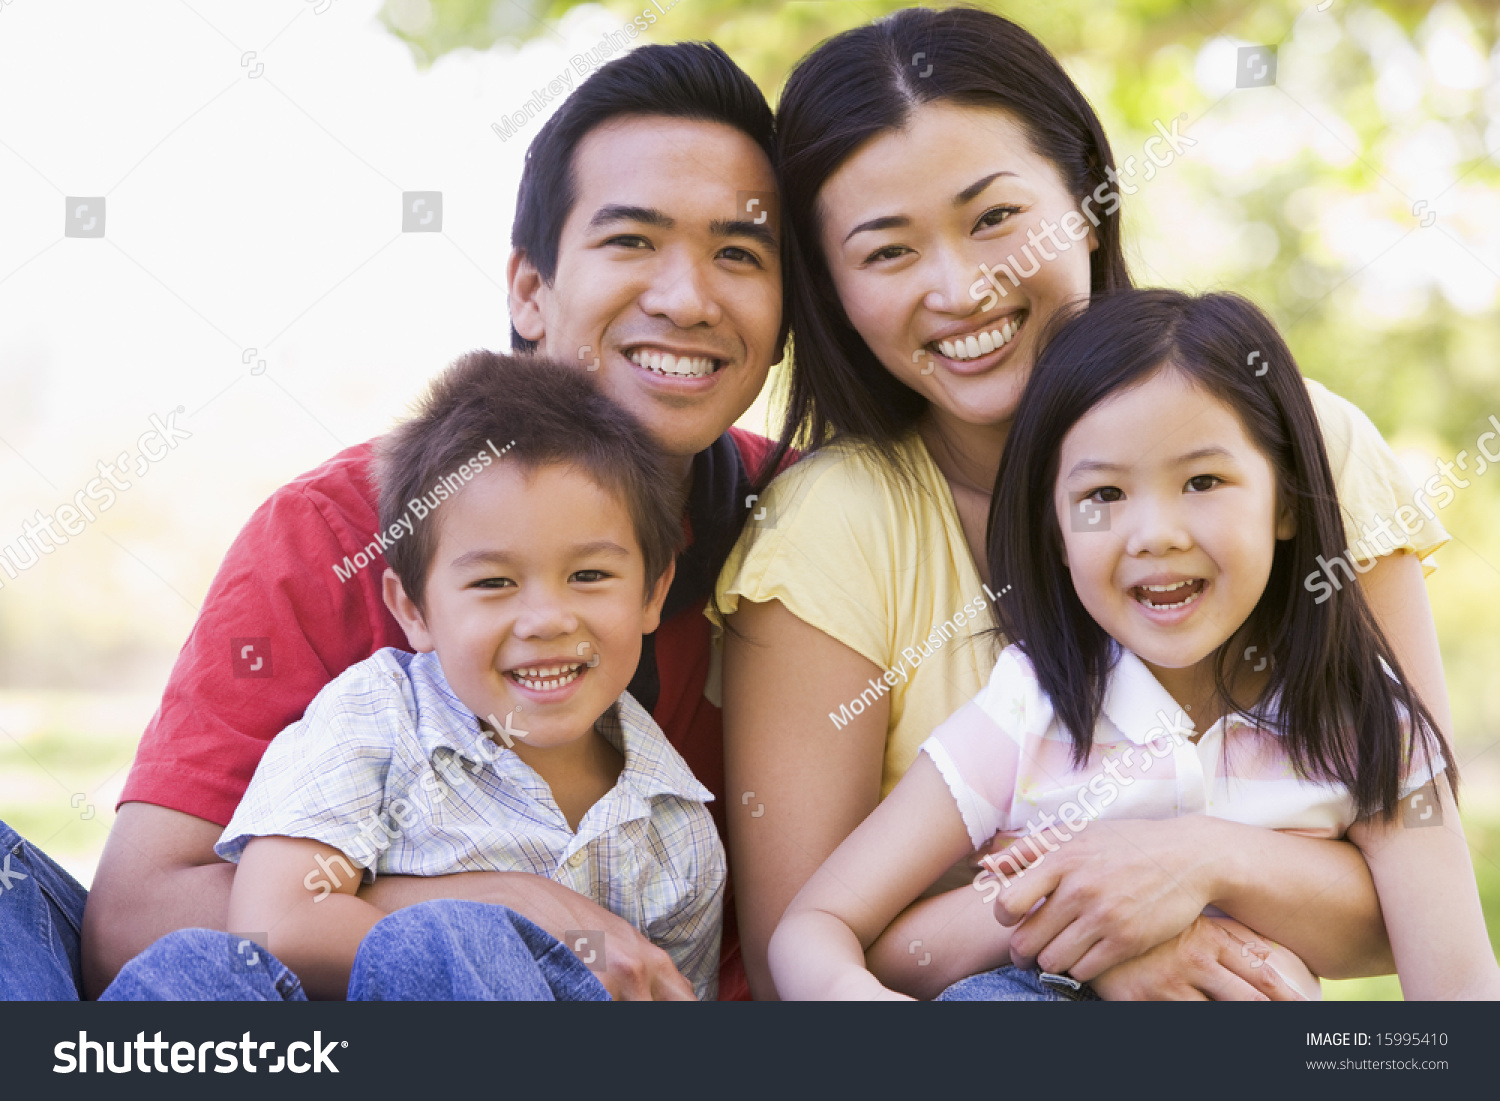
(635, 970)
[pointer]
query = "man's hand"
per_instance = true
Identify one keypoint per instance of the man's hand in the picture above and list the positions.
(1214, 959)
(1113, 892)
(635, 969)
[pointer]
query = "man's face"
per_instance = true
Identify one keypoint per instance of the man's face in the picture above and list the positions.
(663, 276)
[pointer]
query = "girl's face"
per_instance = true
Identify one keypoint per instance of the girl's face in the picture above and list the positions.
(1169, 519)
(906, 223)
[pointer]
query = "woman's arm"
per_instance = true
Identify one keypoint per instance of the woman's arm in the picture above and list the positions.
(795, 786)
(1425, 877)
(818, 950)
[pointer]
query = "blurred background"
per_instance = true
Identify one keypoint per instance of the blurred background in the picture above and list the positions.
(253, 280)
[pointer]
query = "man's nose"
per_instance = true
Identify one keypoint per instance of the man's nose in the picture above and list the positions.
(682, 291)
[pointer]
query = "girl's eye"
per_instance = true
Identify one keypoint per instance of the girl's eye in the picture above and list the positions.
(888, 252)
(589, 576)
(740, 255)
(493, 583)
(1104, 495)
(995, 215)
(1202, 483)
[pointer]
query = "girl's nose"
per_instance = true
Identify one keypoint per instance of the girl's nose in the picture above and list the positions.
(1155, 529)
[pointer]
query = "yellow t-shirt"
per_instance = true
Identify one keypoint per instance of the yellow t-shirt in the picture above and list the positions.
(880, 563)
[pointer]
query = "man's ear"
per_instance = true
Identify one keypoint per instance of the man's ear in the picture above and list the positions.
(526, 291)
(658, 598)
(406, 612)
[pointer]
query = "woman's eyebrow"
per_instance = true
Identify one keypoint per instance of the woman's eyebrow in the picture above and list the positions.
(977, 186)
(890, 221)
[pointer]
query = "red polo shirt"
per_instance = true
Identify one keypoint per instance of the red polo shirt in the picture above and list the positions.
(278, 624)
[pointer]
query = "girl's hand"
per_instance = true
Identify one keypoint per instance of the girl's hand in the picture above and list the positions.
(1213, 959)
(1114, 891)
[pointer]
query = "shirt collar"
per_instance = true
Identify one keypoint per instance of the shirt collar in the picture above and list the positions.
(1138, 705)
(652, 766)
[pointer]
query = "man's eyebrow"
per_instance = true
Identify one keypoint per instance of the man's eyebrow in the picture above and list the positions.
(890, 221)
(977, 186)
(1098, 466)
(756, 231)
(619, 212)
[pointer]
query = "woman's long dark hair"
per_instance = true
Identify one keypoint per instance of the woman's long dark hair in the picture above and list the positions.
(861, 84)
(1333, 703)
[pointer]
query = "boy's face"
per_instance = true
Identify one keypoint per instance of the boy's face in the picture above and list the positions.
(536, 575)
(666, 284)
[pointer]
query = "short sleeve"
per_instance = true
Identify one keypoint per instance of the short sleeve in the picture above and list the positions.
(276, 626)
(823, 548)
(1376, 494)
(324, 776)
(978, 749)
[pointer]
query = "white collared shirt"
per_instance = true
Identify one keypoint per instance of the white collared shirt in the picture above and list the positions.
(391, 769)
(1008, 762)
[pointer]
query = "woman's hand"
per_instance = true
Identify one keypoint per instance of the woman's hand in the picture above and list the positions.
(1113, 891)
(1213, 959)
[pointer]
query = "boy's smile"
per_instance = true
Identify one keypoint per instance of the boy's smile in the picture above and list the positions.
(536, 602)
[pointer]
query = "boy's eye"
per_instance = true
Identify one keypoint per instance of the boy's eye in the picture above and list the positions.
(493, 583)
(1202, 483)
(995, 215)
(589, 576)
(1104, 495)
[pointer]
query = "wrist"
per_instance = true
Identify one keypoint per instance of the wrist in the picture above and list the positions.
(1216, 859)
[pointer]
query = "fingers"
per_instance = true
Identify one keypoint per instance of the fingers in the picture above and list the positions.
(1021, 891)
(1238, 971)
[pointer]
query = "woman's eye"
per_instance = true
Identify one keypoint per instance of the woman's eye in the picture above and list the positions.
(1202, 483)
(995, 215)
(889, 252)
(1104, 495)
(588, 576)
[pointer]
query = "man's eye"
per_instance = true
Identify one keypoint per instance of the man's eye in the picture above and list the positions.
(1104, 495)
(629, 240)
(888, 252)
(1202, 483)
(740, 255)
(589, 576)
(995, 215)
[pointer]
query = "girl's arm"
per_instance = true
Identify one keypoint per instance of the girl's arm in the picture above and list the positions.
(1425, 877)
(818, 950)
(315, 930)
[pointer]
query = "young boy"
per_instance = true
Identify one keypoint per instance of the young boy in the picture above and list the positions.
(531, 531)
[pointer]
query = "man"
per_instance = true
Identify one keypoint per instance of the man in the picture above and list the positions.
(637, 252)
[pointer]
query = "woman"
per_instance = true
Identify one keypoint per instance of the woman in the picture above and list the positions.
(912, 152)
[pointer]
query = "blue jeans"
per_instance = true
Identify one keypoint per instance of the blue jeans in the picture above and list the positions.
(41, 913)
(1004, 984)
(443, 950)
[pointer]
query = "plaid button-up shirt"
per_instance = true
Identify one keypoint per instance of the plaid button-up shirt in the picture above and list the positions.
(391, 769)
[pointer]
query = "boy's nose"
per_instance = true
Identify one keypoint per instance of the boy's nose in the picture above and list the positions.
(545, 615)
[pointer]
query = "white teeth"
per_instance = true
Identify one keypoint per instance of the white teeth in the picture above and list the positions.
(970, 347)
(665, 363)
(1164, 588)
(547, 677)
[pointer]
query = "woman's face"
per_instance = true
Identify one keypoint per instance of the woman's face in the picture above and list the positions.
(906, 223)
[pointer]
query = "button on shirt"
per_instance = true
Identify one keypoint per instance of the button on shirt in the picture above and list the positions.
(391, 769)
(1007, 761)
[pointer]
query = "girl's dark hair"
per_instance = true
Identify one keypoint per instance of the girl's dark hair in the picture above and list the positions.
(861, 84)
(1329, 696)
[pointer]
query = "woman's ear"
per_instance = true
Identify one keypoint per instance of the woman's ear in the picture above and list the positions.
(406, 612)
(1286, 523)
(526, 292)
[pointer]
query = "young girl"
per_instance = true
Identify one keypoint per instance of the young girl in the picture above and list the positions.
(1186, 638)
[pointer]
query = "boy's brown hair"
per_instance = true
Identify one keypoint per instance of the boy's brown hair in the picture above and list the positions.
(529, 410)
